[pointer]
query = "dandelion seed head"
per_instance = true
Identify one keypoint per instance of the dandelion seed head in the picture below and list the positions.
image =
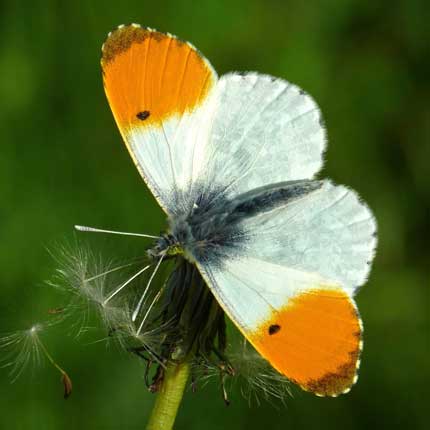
(159, 323)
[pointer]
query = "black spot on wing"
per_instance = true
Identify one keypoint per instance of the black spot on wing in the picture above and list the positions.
(274, 328)
(143, 115)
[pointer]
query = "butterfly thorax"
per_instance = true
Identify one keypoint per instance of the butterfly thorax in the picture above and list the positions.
(178, 241)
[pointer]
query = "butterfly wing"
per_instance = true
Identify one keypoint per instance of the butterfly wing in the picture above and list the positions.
(287, 276)
(158, 88)
(263, 131)
(192, 135)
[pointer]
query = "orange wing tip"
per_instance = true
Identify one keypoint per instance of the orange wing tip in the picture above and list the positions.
(315, 341)
(336, 383)
(342, 381)
(151, 76)
(120, 40)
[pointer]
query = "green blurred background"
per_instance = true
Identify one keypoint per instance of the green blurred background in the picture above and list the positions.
(62, 163)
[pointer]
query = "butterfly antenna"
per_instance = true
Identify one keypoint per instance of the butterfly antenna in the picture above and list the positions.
(117, 290)
(139, 305)
(123, 233)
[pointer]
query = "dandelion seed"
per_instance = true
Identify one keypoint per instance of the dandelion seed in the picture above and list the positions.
(156, 298)
(117, 290)
(108, 272)
(24, 347)
(139, 304)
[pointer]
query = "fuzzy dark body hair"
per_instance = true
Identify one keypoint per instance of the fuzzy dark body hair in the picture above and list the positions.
(212, 226)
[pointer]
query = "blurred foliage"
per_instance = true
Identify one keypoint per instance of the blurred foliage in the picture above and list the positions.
(62, 163)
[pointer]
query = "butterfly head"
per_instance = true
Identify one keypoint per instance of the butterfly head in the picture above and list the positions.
(183, 238)
(167, 245)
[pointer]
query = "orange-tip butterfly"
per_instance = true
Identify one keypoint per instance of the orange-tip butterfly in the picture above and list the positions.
(231, 160)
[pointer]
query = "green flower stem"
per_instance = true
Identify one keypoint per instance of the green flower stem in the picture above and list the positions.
(169, 396)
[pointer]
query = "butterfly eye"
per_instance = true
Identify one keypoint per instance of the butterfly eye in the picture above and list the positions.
(143, 115)
(274, 328)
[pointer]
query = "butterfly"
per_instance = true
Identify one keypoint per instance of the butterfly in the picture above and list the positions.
(232, 162)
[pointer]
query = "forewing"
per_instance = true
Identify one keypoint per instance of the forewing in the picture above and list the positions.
(264, 130)
(287, 274)
(158, 88)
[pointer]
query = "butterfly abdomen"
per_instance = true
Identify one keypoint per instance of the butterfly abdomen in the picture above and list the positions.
(267, 198)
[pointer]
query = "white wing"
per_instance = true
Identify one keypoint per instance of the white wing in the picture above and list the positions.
(263, 130)
(288, 284)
